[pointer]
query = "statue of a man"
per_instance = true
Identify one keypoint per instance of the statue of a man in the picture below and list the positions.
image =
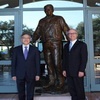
(49, 30)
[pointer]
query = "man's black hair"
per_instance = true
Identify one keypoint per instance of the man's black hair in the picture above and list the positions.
(26, 33)
(50, 6)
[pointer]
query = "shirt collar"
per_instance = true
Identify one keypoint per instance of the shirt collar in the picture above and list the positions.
(73, 41)
(25, 46)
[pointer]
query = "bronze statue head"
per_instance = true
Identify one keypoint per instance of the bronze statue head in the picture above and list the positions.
(48, 9)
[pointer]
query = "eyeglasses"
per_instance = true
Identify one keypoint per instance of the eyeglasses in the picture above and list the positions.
(25, 38)
(72, 33)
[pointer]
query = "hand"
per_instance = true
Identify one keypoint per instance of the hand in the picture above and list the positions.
(64, 73)
(81, 74)
(37, 78)
(14, 78)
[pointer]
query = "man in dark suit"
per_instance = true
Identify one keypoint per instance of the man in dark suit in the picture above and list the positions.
(25, 67)
(74, 64)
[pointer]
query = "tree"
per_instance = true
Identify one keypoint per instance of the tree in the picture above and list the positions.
(7, 36)
(80, 29)
(96, 33)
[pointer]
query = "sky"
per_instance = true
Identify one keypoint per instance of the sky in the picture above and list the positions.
(72, 18)
(56, 3)
(31, 18)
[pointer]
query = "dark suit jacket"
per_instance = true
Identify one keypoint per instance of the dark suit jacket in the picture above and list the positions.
(75, 60)
(25, 68)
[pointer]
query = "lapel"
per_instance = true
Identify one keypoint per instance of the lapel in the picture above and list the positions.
(76, 43)
(68, 46)
(21, 52)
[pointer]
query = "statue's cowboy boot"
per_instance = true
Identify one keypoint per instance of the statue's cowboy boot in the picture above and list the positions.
(51, 82)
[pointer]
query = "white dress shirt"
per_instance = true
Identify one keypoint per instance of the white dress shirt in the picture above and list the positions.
(23, 47)
(71, 44)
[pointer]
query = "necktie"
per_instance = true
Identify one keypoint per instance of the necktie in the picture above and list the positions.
(25, 53)
(70, 45)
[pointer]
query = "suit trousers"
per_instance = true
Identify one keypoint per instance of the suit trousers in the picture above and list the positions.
(76, 88)
(25, 85)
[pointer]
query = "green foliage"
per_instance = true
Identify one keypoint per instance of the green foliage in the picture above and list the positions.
(80, 29)
(7, 32)
(96, 33)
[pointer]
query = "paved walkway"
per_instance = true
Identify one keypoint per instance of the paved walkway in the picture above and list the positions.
(44, 97)
(91, 96)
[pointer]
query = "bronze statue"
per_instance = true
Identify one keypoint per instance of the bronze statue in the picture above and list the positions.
(49, 30)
